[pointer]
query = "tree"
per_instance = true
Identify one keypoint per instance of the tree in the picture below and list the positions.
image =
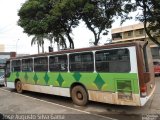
(39, 41)
(61, 42)
(151, 18)
(39, 17)
(64, 17)
(56, 38)
(33, 16)
(99, 15)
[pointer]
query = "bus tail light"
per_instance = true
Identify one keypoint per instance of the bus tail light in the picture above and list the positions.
(143, 90)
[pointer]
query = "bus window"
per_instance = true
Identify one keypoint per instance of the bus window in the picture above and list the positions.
(16, 65)
(116, 60)
(81, 62)
(27, 65)
(58, 63)
(41, 64)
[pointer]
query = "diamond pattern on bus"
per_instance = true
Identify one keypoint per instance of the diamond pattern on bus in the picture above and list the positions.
(17, 74)
(60, 79)
(35, 78)
(77, 76)
(26, 77)
(46, 78)
(99, 82)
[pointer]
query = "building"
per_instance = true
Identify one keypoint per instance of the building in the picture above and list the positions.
(133, 33)
(2, 48)
(4, 56)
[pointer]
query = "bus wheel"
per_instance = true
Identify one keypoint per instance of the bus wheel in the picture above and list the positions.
(79, 95)
(19, 87)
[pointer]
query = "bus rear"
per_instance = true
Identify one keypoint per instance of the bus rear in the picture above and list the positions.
(146, 73)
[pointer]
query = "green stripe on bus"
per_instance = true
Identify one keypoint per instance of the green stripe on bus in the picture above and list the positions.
(111, 82)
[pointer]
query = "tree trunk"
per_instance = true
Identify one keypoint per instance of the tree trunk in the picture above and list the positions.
(63, 42)
(42, 47)
(58, 47)
(95, 40)
(96, 37)
(152, 38)
(38, 48)
(71, 45)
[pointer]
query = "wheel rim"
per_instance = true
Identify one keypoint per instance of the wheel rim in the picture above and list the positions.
(18, 86)
(79, 95)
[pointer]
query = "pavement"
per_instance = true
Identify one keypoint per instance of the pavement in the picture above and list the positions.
(18, 106)
(51, 107)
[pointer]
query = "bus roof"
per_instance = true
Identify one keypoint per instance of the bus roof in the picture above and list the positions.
(106, 46)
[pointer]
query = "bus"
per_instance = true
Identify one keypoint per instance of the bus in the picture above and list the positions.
(119, 73)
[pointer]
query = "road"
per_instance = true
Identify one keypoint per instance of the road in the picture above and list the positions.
(41, 104)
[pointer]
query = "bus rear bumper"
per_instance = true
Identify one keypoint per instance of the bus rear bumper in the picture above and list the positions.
(113, 98)
(144, 100)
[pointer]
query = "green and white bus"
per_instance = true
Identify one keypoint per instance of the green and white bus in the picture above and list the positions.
(120, 73)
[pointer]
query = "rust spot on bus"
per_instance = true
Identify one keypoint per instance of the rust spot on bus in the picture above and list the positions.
(112, 98)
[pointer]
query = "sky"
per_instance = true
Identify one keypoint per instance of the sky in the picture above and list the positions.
(12, 36)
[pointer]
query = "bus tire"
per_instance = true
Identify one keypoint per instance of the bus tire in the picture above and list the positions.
(79, 95)
(18, 86)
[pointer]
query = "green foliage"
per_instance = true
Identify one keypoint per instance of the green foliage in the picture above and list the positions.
(38, 39)
(64, 18)
(150, 18)
(59, 17)
(99, 15)
(33, 16)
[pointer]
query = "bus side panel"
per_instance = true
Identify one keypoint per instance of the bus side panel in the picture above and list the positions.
(11, 79)
(114, 88)
(92, 81)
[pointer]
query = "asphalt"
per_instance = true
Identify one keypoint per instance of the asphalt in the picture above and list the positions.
(15, 106)
(43, 105)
